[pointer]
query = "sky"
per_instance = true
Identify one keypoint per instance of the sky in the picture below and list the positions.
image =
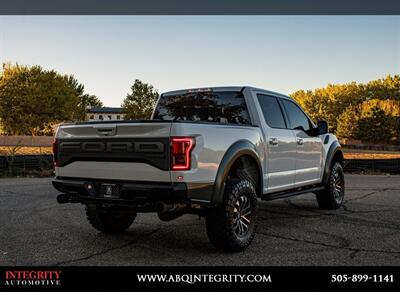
(279, 53)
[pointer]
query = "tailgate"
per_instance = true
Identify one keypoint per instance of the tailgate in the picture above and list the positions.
(123, 150)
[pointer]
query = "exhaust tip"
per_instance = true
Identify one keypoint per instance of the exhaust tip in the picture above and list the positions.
(160, 207)
(63, 198)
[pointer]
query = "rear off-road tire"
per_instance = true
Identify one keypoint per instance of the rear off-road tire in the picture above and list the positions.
(232, 226)
(109, 220)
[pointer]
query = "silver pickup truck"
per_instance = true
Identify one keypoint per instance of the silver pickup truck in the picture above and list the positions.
(213, 152)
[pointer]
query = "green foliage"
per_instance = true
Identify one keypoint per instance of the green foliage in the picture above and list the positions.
(2, 132)
(391, 107)
(33, 100)
(85, 99)
(345, 107)
(347, 123)
(373, 121)
(375, 127)
(139, 104)
(379, 121)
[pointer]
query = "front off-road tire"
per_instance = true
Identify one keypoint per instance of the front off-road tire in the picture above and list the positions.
(231, 226)
(109, 220)
(332, 196)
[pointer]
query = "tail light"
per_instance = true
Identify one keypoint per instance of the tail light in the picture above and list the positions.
(55, 152)
(181, 147)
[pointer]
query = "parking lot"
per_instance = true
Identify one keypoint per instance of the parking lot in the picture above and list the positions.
(35, 230)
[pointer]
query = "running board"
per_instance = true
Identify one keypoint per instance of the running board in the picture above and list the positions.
(291, 193)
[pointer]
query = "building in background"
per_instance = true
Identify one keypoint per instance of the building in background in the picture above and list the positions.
(96, 113)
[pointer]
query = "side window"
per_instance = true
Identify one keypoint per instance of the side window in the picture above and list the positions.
(272, 111)
(297, 118)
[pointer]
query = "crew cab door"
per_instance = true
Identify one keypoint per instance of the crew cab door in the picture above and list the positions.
(280, 145)
(309, 146)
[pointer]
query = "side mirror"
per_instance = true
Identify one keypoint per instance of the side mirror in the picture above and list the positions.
(322, 127)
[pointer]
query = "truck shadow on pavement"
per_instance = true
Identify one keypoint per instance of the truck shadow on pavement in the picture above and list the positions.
(297, 225)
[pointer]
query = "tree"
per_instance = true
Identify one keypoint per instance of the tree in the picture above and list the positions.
(372, 121)
(139, 104)
(32, 99)
(74, 83)
(85, 99)
(347, 123)
(89, 100)
(375, 126)
(379, 118)
(333, 100)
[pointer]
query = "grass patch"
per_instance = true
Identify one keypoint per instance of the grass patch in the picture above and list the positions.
(368, 154)
(24, 150)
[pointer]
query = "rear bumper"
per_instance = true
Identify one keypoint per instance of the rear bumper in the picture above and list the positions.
(143, 195)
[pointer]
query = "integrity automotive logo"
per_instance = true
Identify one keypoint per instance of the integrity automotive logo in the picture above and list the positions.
(31, 278)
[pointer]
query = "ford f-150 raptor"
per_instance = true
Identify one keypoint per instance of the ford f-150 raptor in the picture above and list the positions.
(213, 152)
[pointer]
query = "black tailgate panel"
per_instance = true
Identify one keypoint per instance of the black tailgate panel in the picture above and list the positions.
(153, 151)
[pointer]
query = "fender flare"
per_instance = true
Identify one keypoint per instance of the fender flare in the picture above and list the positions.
(333, 149)
(236, 150)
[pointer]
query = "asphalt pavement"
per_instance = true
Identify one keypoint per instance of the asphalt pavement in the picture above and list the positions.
(36, 230)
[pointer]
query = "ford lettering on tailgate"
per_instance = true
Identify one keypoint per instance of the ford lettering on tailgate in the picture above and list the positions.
(153, 151)
(153, 147)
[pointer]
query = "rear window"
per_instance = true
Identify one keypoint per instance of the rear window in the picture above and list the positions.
(220, 107)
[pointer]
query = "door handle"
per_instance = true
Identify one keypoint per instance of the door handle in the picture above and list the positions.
(273, 141)
(105, 130)
(300, 141)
